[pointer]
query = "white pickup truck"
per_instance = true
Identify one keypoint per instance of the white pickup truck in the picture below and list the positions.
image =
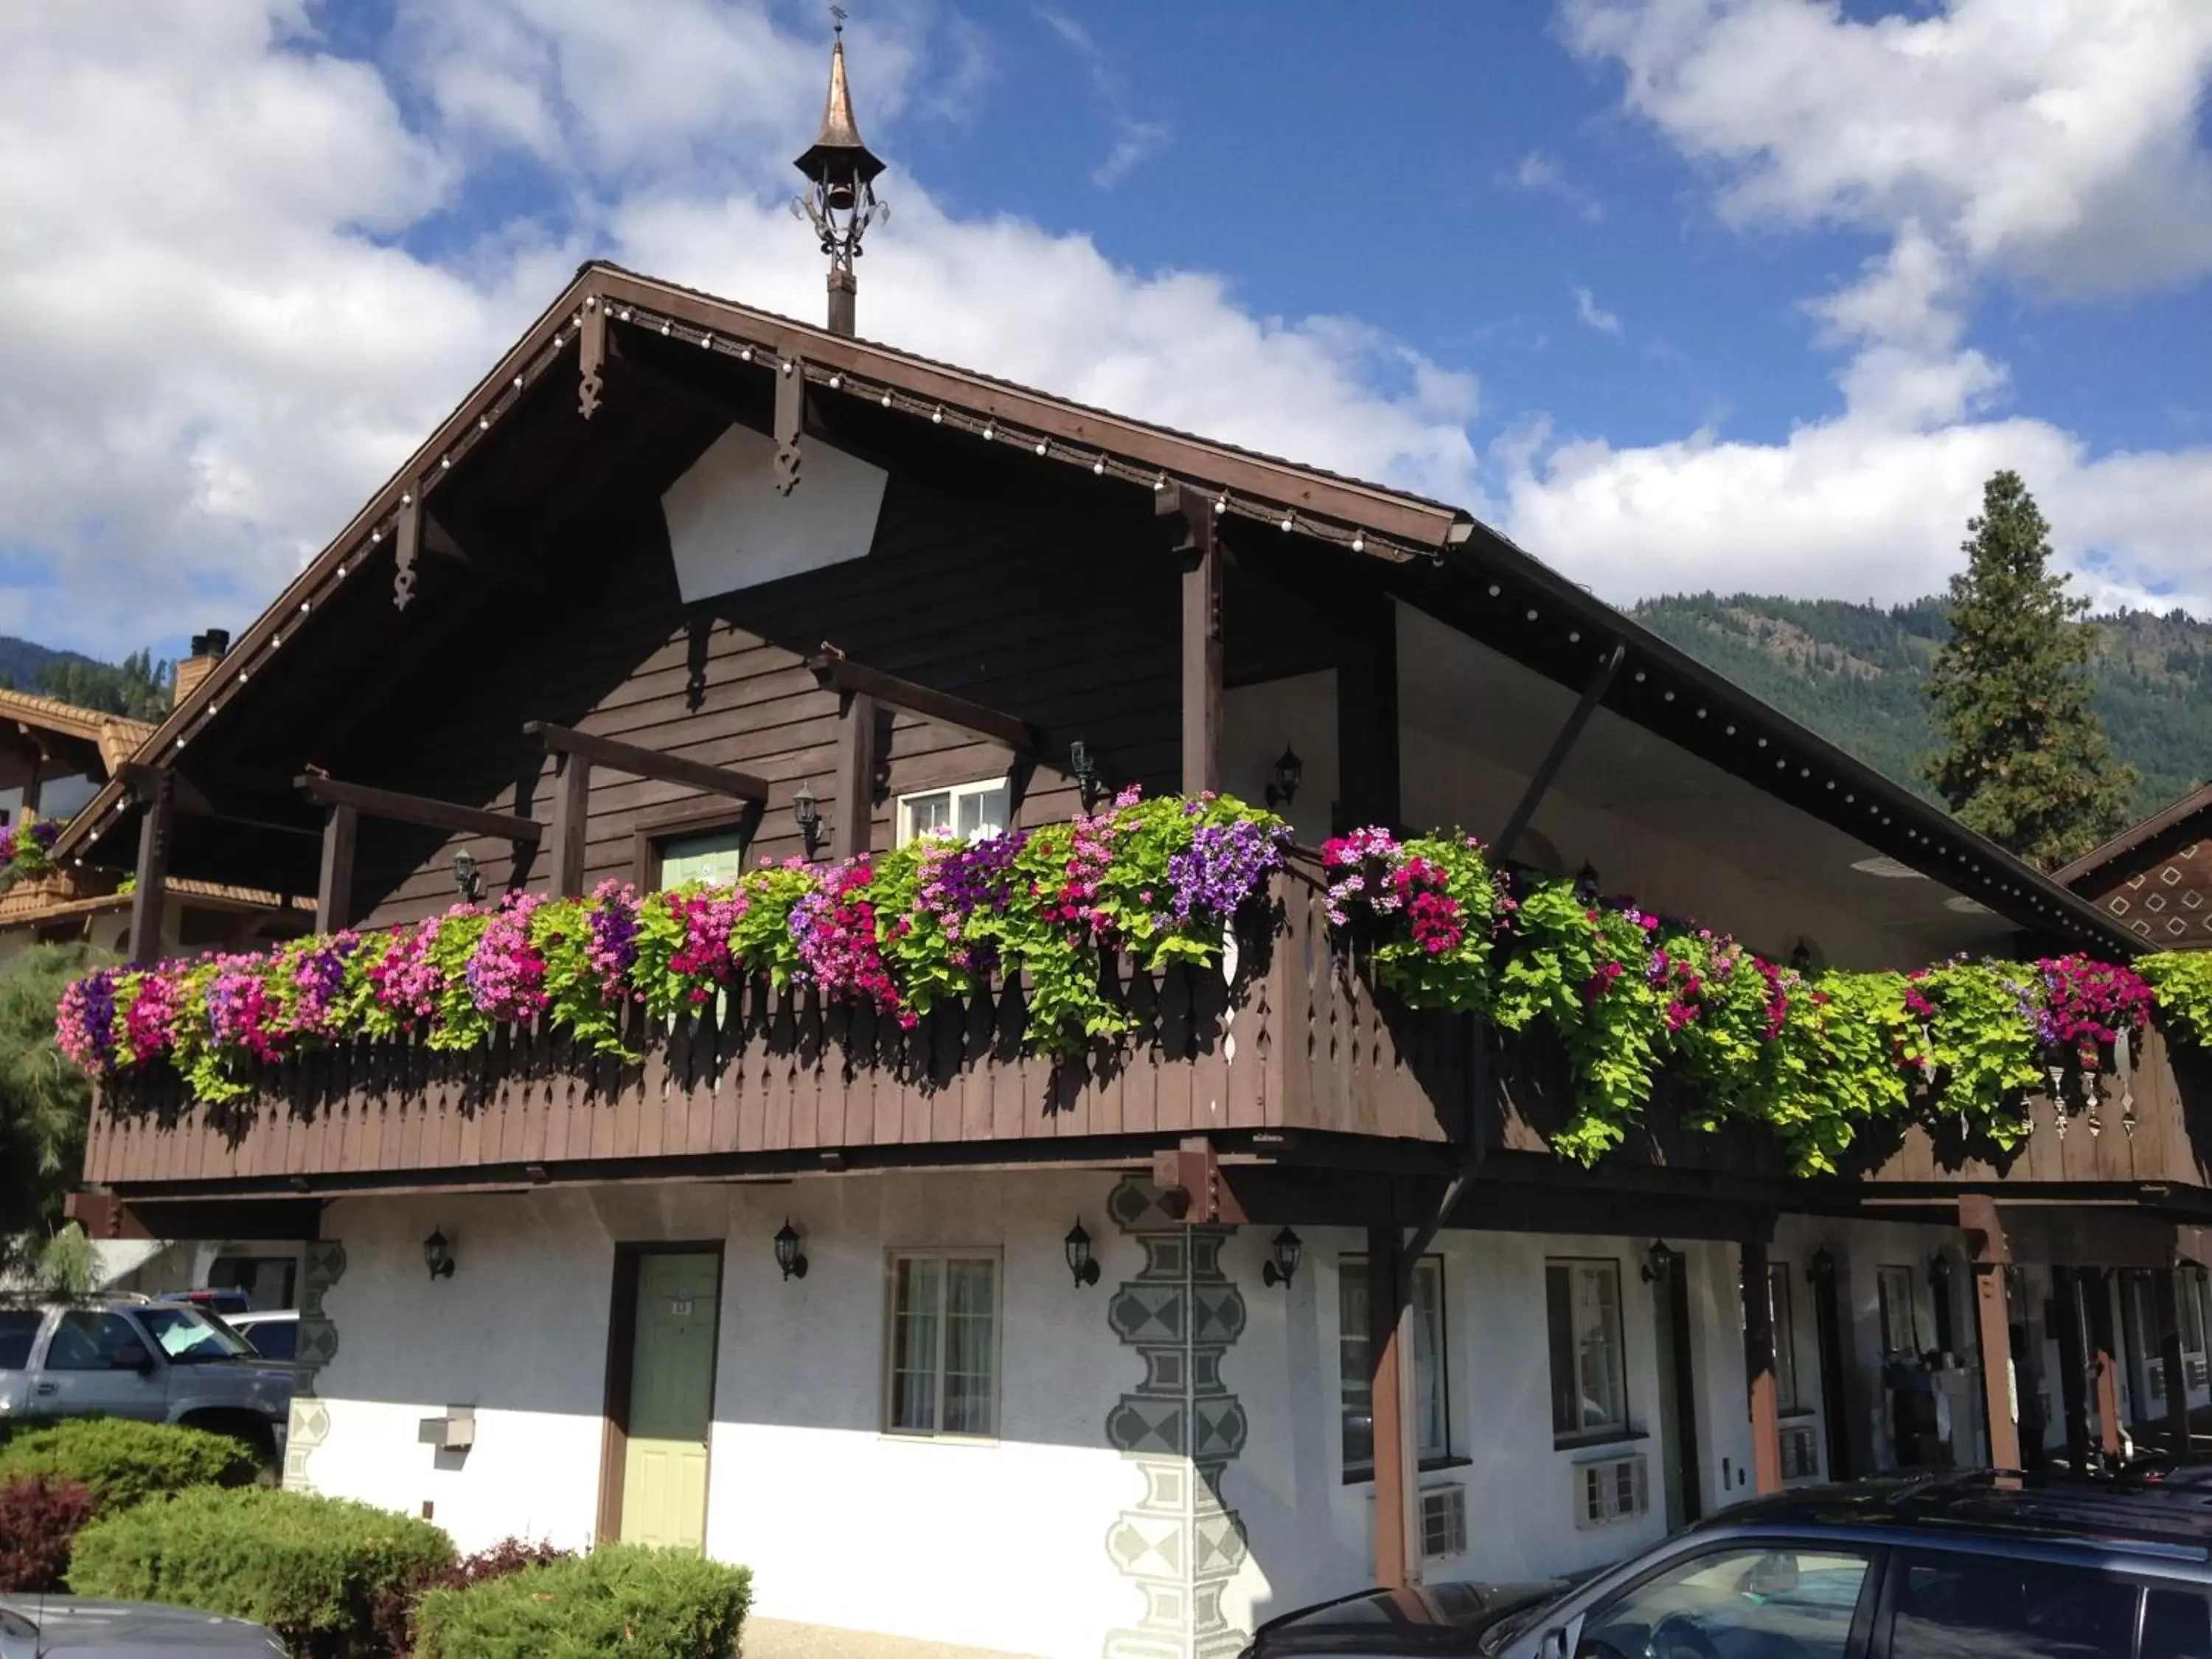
(159, 1361)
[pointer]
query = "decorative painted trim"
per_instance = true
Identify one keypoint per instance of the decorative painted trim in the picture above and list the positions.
(310, 1423)
(1182, 1428)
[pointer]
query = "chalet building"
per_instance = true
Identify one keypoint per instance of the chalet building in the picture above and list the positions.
(680, 584)
(2155, 878)
(54, 758)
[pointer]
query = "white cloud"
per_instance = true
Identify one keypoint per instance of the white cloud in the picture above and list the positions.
(1591, 314)
(1139, 142)
(1543, 175)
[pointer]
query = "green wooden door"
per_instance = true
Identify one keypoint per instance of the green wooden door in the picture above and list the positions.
(672, 1400)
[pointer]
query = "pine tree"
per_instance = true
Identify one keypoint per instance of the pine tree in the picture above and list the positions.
(2023, 759)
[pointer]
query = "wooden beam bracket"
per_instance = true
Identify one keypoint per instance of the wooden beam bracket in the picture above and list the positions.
(1190, 1183)
(393, 806)
(832, 669)
(642, 763)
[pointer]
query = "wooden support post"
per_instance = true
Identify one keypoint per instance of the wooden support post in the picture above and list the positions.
(1201, 649)
(572, 813)
(2098, 1288)
(1367, 714)
(2168, 1286)
(1759, 1369)
(150, 898)
(32, 785)
(2066, 1290)
(334, 891)
(855, 807)
(1991, 1255)
(1385, 1396)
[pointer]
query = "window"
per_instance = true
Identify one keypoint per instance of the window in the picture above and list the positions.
(1900, 1330)
(19, 1330)
(188, 1336)
(1953, 1604)
(1737, 1600)
(1589, 1391)
(970, 811)
(943, 1345)
(88, 1341)
(274, 1338)
(1432, 1409)
(717, 856)
(1785, 1336)
(2177, 1624)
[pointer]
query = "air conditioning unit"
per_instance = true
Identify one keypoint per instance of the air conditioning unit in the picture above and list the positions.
(2198, 1375)
(1443, 1521)
(1614, 1490)
(1801, 1453)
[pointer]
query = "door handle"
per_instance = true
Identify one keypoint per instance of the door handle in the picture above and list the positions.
(46, 1388)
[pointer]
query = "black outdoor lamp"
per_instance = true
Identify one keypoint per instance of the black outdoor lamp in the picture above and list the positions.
(1285, 1252)
(806, 813)
(788, 1255)
(1082, 766)
(1290, 772)
(1078, 1245)
(1586, 880)
(438, 1256)
(1821, 1269)
(468, 880)
(1659, 1260)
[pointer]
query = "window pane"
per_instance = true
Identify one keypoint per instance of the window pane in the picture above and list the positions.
(1559, 1308)
(719, 858)
(918, 1299)
(1351, 1363)
(1597, 1345)
(189, 1334)
(18, 1328)
(1431, 1428)
(926, 812)
(1738, 1601)
(1785, 1336)
(1951, 1605)
(87, 1341)
(981, 813)
(1899, 1331)
(968, 1347)
(2177, 1624)
(279, 1339)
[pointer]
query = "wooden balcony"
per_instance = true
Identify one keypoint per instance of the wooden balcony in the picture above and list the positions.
(1290, 1044)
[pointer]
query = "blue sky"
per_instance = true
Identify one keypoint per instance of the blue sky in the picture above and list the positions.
(1678, 293)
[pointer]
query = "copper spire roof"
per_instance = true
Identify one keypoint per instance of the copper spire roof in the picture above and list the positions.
(838, 152)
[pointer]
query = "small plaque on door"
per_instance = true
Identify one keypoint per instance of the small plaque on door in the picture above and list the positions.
(679, 1307)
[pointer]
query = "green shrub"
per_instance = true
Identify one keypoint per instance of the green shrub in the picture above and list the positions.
(622, 1599)
(314, 1570)
(126, 1462)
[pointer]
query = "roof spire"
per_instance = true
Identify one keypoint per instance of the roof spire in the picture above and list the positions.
(842, 170)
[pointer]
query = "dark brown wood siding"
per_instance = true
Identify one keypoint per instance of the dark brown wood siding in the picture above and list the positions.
(2163, 892)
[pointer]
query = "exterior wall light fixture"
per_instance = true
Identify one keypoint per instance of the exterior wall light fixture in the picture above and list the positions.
(788, 1255)
(1586, 883)
(1290, 773)
(1282, 1266)
(1659, 1260)
(1080, 1262)
(438, 1255)
(468, 880)
(806, 813)
(1082, 766)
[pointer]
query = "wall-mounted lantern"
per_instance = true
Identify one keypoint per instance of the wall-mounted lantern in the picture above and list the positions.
(438, 1256)
(1659, 1260)
(1821, 1269)
(1290, 773)
(1079, 1259)
(788, 1256)
(1586, 880)
(1083, 767)
(806, 813)
(468, 880)
(1283, 1265)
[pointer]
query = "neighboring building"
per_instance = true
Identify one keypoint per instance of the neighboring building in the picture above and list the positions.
(2155, 878)
(600, 558)
(54, 758)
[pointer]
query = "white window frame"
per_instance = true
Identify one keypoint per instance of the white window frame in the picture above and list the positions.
(1581, 1434)
(1429, 1269)
(1781, 1318)
(957, 793)
(1897, 1296)
(942, 1255)
(665, 848)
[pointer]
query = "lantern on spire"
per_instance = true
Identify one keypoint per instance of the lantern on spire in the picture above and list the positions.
(841, 171)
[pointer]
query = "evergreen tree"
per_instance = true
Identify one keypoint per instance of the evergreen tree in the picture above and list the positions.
(137, 687)
(2022, 757)
(43, 1102)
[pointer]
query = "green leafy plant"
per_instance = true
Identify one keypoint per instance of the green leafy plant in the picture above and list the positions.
(123, 1462)
(622, 1598)
(314, 1570)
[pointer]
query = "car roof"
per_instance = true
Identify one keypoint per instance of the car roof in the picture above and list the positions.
(2167, 1509)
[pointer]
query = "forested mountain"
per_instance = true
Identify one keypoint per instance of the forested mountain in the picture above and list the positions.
(137, 686)
(1853, 673)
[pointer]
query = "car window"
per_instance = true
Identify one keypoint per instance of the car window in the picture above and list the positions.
(274, 1338)
(1953, 1605)
(2177, 1624)
(19, 1330)
(188, 1335)
(86, 1340)
(1760, 1602)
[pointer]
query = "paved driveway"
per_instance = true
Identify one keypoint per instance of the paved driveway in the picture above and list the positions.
(779, 1638)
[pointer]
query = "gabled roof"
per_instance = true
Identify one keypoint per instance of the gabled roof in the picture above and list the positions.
(2174, 819)
(1468, 573)
(116, 738)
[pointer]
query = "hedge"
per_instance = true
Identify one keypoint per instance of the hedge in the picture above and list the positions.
(125, 1462)
(314, 1570)
(622, 1599)
(395, 1614)
(39, 1518)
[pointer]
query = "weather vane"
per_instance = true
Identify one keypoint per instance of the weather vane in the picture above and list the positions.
(842, 170)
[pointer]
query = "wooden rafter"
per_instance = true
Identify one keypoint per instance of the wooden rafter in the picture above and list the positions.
(832, 668)
(642, 763)
(397, 808)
